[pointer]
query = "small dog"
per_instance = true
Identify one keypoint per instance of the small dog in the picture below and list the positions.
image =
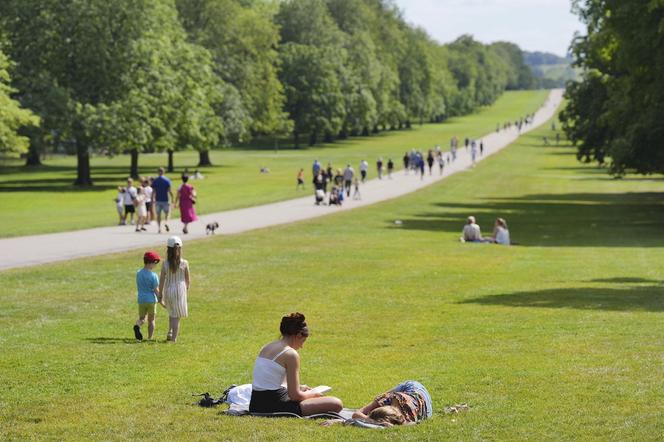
(211, 227)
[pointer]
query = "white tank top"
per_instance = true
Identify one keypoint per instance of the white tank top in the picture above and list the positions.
(269, 374)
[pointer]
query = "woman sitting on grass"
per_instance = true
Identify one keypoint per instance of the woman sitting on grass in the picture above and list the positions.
(407, 403)
(278, 364)
(500, 233)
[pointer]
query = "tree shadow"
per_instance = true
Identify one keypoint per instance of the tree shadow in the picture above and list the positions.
(555, 220)
(626, 280)
(106, 341)
(639, 298)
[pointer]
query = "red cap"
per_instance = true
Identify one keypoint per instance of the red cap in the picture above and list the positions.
(151, 257)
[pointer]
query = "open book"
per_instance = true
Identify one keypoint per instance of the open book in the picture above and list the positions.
(322, 389)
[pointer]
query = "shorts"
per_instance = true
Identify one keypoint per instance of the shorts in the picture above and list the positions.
(129, 208)
(273, 401)
(148, 206)
(163, 206)
(149, 308)
(414, 386)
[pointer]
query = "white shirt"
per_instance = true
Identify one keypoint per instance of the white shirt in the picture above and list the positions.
(364, 166)
(130, 196)
(502, 236)
(471, 232)
(147, 190)
(269, 374)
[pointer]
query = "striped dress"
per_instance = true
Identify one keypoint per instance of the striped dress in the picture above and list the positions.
(175, 290)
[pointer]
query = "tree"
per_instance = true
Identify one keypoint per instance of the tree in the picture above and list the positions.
(12, 116)
(615, 111)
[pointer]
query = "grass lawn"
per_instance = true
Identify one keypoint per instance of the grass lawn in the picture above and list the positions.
(559, 338)
(43, 200)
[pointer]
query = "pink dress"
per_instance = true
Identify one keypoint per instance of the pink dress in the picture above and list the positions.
(187, 212)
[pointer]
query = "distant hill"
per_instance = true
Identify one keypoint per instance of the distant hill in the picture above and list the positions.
(550, 69)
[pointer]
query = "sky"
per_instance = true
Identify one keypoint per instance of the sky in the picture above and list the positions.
(535, 25)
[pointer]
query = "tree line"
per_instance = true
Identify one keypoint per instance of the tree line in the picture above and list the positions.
(112, 76)
(615, 113)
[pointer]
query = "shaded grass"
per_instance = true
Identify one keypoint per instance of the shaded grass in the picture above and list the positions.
(545, 341)
(43, 199)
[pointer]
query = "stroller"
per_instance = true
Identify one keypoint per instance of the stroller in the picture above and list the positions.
(320, 196)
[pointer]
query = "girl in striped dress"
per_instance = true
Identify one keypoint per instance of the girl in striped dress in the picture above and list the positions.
(174, 285)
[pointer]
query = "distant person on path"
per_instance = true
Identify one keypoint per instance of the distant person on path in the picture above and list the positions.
(148, 191)
(420, 165)
(406, 161)
(300, 180)
(473, 152)
(329, 171)
(147, 286)
(187, 198)
(408, 402)
(441, 164)
(129, 197)
(471, 231)
(364, 168)
(141, 209)
(119, 205)
(162, 196)
(481, 148)
(349, 173)
(390, 168)
(276, 377)
(430, 161)
(467, 142)
(338, 179)
(379, 168)
(174, 284)
(356, 193)
(315, 168)
(501, 235)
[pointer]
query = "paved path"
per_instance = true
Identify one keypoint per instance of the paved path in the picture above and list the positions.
(39, 249)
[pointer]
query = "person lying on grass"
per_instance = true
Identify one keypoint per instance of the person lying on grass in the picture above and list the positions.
(407, 403)
(276, 379)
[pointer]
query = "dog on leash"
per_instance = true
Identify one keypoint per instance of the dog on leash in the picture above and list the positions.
(211, 227)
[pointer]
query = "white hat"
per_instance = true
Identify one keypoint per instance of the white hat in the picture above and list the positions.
(174, 241)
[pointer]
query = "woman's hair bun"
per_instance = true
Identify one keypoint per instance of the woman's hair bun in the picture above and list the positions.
(293, 324)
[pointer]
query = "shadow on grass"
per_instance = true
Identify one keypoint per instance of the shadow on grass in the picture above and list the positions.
(555, 220)
(107, 341)
(650, 299)
(626, 280)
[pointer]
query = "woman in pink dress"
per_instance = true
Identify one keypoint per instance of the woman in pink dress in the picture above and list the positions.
(187, 198)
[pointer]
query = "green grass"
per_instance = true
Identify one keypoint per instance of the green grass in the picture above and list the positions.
(559, 338)
(43, 200)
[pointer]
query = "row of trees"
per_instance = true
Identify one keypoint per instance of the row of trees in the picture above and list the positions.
(616, 111)
(162, 75)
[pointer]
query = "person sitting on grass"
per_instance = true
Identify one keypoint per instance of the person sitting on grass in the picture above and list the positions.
(276, 378)
(407, 403)
(471, 231)
(501, 235)
(147, 285)
(334, 199)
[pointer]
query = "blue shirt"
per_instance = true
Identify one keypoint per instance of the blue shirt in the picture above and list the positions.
(161, 186)
(146, 282)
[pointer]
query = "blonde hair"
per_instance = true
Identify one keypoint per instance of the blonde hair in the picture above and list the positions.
(501, 222)
(387, 414)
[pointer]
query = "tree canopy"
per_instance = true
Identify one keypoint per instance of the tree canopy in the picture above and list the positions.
(615, 112)
(153, 75)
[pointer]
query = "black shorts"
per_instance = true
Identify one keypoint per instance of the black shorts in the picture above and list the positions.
(148, 206)
(273, 401)
(129, 208)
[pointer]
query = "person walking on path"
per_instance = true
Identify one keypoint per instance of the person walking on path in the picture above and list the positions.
(379, 168)
(187, 198)
(356, 193)
(420, 165)
(430, 161)
(315, 168)
(148, 191)
(349, 173)
(467, 143)
(364, 167)
(441, 164)
(119, 205)
(406, 161)
(473, 152)
(147, 286)
(481, 148)
(300, 180)
(174, 284)
(390, 168)
(129, 197)
(141, 209)
(160, 196)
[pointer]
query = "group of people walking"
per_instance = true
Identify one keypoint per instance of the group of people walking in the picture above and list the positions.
(154, 198)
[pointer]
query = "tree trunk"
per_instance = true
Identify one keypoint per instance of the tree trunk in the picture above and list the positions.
(133, 170)
(204, 158)
(83, 167)
(32, 157)
(170, 161)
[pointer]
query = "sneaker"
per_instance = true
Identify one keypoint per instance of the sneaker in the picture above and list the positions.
(137, 333)
(167, 228)
(144, 229)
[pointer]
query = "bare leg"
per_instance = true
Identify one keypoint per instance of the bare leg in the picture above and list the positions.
(175, 328)
(321, 405)
(150, 326)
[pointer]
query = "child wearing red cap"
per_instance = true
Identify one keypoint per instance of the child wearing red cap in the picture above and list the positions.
(147, 285)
